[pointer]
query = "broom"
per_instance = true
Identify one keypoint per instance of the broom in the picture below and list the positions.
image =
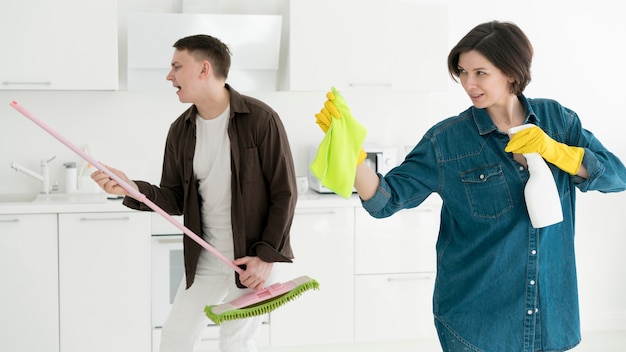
(256, 303)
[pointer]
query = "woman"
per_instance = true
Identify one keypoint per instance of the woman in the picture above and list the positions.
(501, 284)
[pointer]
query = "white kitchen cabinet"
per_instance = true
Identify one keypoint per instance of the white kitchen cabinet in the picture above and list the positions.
(395, 274)
(323, 244)
(59, 45)
(29, 306)
(364, 44)
(402, 243)
(394, 307)
(210, 339)
(253, 40)
(104, 266)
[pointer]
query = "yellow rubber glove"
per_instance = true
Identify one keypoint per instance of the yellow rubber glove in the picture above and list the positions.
(341, 149)
(330, 110)
(535, 140)
(324, 117)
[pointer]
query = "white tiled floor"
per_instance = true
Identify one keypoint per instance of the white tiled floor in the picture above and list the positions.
(606, 341)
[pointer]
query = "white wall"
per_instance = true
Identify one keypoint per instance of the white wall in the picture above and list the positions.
(578, 53)
(575, 46)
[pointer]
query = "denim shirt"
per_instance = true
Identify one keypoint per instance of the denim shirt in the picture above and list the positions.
(501, 284)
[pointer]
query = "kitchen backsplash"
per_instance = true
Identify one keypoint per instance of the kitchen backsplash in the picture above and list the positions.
(127, 129)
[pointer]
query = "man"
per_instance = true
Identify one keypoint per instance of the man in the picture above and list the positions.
(228, 169)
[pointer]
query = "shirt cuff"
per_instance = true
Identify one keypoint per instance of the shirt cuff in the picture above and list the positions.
(268, 254)
(594, 169)
(379, 200)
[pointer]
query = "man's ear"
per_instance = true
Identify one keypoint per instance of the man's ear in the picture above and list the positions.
(206, 69)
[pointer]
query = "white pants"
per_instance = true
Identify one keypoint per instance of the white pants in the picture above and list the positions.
(214, 284)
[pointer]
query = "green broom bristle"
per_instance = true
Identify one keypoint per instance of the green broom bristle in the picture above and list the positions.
(261, 307)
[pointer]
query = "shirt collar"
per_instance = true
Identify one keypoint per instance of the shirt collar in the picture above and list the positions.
(237, 105)
(485, 125)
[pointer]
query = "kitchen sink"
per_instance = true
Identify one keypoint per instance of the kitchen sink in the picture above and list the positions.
(71, 198)
(57, 198)
(17, 198)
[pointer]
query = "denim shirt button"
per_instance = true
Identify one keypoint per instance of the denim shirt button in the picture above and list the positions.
(521, 168)
(533, 252)
(482, 176)
(532, 282)
(530, 312)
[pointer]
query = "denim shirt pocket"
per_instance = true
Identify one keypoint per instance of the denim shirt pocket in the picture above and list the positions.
(487, 192)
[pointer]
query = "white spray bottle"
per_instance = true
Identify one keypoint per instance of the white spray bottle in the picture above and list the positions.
(542, 197)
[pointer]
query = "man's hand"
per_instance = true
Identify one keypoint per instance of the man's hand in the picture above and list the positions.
(109, 185)
(256, 273)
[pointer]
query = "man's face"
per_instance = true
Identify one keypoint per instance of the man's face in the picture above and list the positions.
(185, 74)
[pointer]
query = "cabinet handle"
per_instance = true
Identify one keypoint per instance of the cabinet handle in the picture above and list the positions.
(171, 240)
(384, 85)
(9, 220)
(120, 218)
(410, 278)
(17, 83)
(315, 212)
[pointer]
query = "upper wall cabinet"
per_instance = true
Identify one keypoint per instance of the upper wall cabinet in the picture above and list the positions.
(361, 44)
(59, 45)
(254, 42)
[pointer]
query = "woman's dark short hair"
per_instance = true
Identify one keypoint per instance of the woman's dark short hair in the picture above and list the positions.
(206, 47)
(504, 45)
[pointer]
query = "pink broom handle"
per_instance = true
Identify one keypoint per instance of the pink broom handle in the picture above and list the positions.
(134, 193)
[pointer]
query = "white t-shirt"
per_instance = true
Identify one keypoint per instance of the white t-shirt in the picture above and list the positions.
(211, 165)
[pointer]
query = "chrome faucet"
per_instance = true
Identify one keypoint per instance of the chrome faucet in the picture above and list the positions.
(44, 177)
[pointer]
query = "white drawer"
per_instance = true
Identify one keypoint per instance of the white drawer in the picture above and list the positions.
(209, 341)
(402, 243)
(161, 226)
(394, 307)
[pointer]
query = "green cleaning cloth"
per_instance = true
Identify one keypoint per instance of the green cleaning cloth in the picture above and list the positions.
(336, 159)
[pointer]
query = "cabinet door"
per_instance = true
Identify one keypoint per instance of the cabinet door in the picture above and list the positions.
(402, 243)
(59, 45)
(29, 305)
(365, 44)
(394, 307)
(254, 41)
(326, 49)
(322, 241)
(104, 266)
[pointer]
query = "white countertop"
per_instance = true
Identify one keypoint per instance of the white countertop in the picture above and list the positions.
(74, 203)
(98, 203)
(313, 199)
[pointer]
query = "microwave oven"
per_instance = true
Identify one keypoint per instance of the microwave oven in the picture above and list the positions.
(380, 159)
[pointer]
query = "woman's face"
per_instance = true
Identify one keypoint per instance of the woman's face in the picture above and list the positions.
(485, 84)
